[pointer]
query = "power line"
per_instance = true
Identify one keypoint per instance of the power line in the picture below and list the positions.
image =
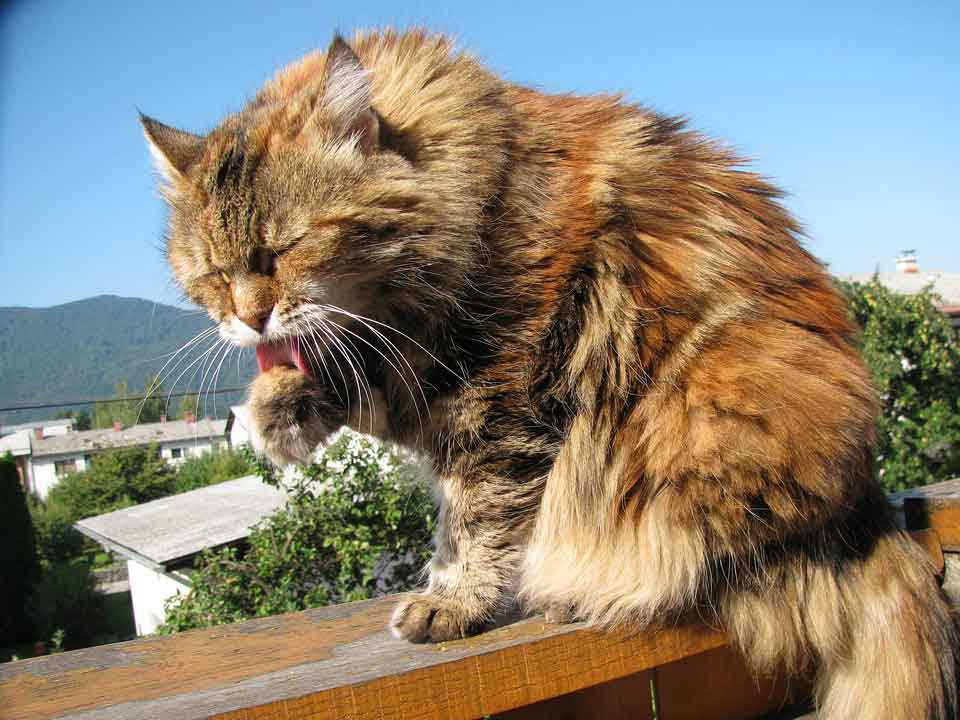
(94, 401)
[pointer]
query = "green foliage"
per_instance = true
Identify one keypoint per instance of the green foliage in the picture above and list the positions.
(914, 355)
(116, 479)
(129, 411)
(212, 468)
(66, 599)
(18, 555)
(81, 418)
(57, 541)
(359, 524)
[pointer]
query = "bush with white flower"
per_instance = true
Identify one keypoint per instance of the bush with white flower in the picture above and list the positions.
(358, 524)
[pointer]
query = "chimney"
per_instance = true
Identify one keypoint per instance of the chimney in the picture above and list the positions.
(163, 418)
(117, 425)
(38, 433)
(907, 262)
(189, 417)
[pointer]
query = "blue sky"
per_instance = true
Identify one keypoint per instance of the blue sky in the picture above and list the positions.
(854, 110)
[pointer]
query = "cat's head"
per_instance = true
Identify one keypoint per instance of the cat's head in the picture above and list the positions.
(295, 205)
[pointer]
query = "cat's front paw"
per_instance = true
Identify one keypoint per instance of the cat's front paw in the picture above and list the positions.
(428, 618)
(290, 415)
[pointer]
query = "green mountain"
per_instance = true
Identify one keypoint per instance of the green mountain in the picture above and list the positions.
(83, 349)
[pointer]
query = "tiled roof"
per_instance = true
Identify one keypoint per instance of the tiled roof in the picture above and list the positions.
(165, 432)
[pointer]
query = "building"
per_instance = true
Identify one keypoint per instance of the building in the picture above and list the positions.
(910, 279)
(44, 460)
(47, 428)
(238, 426)
(160, 539)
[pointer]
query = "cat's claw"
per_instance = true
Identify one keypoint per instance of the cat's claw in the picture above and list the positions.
(560, 613)
(427, 618)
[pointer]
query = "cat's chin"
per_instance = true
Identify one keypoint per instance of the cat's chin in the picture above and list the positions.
(290, 415)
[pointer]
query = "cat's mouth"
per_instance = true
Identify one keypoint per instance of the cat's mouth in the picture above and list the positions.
(287, 352)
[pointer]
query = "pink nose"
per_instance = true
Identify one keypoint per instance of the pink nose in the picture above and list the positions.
(253, 322)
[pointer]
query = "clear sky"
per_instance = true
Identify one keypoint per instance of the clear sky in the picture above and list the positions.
(855, 111)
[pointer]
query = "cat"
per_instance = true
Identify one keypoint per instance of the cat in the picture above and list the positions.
(640, 394)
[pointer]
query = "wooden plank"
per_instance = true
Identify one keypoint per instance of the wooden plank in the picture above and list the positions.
(937, 512)
(624, 699)
(724, 689)
(336, 662)
(930, 541)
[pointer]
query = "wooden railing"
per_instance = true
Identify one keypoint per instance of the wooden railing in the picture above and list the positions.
(339, 662)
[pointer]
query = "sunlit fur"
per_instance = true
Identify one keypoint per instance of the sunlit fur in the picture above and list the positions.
(640, 394)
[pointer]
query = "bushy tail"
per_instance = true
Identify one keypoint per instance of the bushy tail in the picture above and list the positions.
(875, 628)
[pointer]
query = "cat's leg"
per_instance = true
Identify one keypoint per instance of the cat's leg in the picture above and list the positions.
(474, 563)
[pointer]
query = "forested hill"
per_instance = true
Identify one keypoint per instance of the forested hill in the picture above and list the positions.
(83, 349)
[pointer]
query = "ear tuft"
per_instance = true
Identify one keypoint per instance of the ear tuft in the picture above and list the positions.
(174, 151)
(347, 96)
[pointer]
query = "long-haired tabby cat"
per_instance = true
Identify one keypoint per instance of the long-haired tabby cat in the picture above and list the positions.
(640, 394)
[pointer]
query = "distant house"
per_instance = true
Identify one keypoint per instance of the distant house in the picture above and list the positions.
(160, 539)
(45, 460)
(16, 440)
(47, 428)
(909, 279)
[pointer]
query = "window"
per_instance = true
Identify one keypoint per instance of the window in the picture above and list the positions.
(64, 467)
(176, 453)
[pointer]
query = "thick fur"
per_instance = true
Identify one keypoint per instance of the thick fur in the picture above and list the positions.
(640, 394)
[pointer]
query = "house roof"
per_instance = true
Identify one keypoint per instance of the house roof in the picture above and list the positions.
(59, 422)
(16, 443)
(164, 533)
(165, 432)
(945, 284)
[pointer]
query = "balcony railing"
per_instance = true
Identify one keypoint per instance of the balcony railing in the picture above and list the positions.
(340, 663)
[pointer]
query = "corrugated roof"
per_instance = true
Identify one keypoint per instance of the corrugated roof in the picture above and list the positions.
(945, 284)
(93, 440)
(165, 532)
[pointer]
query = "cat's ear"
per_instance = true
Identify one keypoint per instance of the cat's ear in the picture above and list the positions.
(347, 96)
(174, 151)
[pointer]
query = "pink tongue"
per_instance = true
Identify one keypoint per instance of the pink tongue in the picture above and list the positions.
(270, 355)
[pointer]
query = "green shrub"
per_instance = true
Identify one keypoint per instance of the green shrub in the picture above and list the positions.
(359, 524)
(57, 540)
(914, 355)
(116, 479)
(66, 599)
(18, 555)
(212, 468)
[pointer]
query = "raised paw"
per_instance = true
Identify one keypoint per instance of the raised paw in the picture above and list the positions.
(427, 618)
(290, 415)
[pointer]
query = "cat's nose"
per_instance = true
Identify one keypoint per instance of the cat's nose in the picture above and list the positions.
(254, 322)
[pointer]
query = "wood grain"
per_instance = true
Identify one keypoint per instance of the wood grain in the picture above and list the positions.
(335, 662)
(717, 685)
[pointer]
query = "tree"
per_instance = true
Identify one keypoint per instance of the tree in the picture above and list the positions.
(81, 418)
(914, 355)
(128, 410)
(212, 468)
(116, 479)
(359, 524)
(19, 568)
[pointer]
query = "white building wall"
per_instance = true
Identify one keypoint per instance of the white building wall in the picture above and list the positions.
(149, 591)
(43, 473)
